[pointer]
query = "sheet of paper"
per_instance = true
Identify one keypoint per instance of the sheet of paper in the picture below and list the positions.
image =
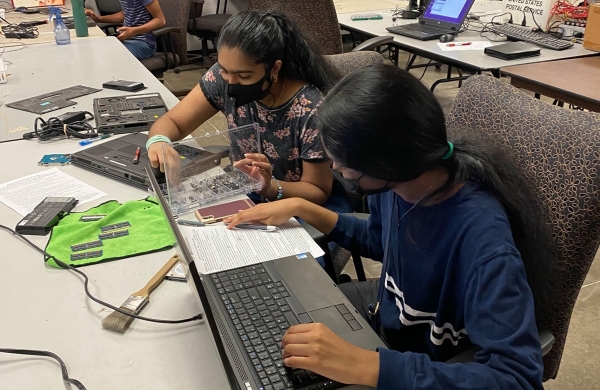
(216, 248)
(23, 194)
(475, 45)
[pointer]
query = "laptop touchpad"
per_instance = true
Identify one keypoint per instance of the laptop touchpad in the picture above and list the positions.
(331, 317)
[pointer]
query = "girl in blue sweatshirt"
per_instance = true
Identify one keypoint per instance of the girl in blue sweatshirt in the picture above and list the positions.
(458, 231)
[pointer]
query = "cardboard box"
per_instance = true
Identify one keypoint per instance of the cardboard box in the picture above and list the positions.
(591, 39)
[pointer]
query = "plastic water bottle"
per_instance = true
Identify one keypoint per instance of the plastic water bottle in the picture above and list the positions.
(61, 32)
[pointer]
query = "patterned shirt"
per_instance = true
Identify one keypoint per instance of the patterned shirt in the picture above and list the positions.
(136, 14)
(287, 133)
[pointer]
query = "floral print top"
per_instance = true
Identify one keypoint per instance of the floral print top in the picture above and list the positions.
(287, 133)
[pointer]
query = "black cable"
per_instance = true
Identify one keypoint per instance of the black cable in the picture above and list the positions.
(425, 70)
(19, 31)
(86, 280)
(35, 352)
(534, 21)
(54, 127)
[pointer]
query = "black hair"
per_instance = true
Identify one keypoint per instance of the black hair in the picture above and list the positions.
(381, 121)
(270, 36)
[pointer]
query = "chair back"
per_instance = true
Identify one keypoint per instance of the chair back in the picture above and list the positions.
(559, 152)
(176, 15)
(318, 19)
(108, 7)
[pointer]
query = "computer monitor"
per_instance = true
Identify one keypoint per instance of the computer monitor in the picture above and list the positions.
(37, 3)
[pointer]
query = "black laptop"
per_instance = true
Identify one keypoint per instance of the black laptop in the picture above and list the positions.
(441, 17)
(249, 309)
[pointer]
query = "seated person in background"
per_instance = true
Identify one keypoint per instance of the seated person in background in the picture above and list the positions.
(267, 74)
(139, 18)
(464, 246)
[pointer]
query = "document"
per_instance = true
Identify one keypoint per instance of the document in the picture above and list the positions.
(216, 248)
(23, 194)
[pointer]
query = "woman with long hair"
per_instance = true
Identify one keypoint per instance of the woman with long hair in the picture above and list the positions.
(459, 232)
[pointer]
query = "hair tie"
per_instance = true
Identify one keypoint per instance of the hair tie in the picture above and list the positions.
(449, 152)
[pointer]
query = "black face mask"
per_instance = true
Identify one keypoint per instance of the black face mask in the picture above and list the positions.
(244, 94)
(353, 187)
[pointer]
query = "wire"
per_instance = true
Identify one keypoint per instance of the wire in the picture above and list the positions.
(533, 17)
(19, 31)
(35, 352)
(425, 70)
(55, 127)
(86, 281)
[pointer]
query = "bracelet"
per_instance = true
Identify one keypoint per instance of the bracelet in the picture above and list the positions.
(157, 138)
(279, 191)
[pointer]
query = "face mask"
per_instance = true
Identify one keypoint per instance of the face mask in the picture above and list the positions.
(353, 187)
(244, 94)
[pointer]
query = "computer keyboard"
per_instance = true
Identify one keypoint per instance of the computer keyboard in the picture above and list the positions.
(419, 27)
(525, 34)
(70, 23)
(261, 315)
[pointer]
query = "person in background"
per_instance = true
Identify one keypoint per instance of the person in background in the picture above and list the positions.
(465, 248)
(268, 74)
(139, 19)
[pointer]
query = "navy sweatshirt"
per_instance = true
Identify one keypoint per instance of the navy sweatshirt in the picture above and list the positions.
(452, 278)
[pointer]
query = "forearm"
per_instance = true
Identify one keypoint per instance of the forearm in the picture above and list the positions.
(119, 17)
(152, 25)
(319, 217)
(299, 189)
(165, 126)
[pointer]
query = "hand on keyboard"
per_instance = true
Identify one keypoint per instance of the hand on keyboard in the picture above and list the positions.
(316, 348)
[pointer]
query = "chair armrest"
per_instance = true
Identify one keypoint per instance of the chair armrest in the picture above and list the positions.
(165, 30)
(547, 341)
(198, 1)
(372, 43)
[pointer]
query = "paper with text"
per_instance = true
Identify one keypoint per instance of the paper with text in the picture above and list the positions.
(216, 248)
(23, 194)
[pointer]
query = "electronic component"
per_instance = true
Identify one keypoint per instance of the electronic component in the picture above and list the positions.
(517, 33)
(115, 226)
(71, 124)
(53, 100)
(366, 17)
(46, 215)
(85, 255)
(55, 159)
(92, 218)
(86, 245)
(106, 236)
(128, 114)
(122, 85)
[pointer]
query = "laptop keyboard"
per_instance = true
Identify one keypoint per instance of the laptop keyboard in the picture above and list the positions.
(421, 28)
(261, 315)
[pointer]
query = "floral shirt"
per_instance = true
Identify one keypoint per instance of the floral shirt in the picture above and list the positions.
(287, 133)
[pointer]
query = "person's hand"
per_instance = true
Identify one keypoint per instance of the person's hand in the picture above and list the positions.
(316, 348)
(161, 154)
(274, 214)
(92, 14)
(257, 166)
(126, 33)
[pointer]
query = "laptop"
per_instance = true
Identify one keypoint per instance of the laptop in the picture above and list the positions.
(249, 309)
(114, 159)
(441, 17)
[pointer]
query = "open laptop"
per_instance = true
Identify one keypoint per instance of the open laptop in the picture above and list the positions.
(441, 17)
(249, 309)
(115, 159)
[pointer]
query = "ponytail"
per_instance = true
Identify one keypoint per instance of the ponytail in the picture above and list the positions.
(271, 36)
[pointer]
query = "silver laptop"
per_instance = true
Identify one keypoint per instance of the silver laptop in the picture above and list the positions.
(249, 309)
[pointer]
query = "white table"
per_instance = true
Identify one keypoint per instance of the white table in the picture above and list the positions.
(469, 59)
(44, 68)
(46, 308)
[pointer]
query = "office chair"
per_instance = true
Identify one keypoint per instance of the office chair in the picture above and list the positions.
(170, 39)
(558, 148)
(107, 7)
(206, 27)
(319, 21)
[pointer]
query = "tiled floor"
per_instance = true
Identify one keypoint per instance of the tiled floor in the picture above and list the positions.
(580, 368)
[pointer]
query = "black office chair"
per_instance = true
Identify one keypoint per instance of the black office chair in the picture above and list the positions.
(206, 28)
(108, 7)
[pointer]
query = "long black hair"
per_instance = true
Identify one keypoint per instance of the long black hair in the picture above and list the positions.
(383, 122)
(270, 36)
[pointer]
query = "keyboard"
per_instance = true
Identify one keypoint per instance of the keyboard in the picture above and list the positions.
(261, 315)
(70, 23)
(420, 28)
(518, 33)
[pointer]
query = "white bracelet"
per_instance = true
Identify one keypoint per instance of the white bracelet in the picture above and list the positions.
(157, 138)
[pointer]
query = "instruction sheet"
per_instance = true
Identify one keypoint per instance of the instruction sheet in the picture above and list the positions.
(23, 194)
(216, 248)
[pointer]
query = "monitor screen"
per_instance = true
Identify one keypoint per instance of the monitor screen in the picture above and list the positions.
(451, 11)
(37, 3)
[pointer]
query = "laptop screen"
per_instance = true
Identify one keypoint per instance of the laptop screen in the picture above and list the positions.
(449, 11)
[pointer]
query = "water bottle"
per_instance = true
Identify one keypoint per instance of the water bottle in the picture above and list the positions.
(61, 32)
(81, 27)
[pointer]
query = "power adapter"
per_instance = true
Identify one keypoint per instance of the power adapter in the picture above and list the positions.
(57, 123)
(72, 116)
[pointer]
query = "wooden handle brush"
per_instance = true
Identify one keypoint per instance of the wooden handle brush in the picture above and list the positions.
(119, 322)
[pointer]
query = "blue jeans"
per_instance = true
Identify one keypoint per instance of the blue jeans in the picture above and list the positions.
(138, 48)
(337, 202)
